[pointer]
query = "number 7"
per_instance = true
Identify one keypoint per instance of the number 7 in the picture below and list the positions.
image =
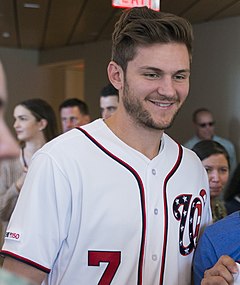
(113, 258)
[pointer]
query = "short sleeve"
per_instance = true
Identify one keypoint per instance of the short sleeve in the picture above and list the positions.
(43, 208)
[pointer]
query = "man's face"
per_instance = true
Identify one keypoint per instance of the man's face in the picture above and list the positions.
(71, 118)
(204, 126)
(156, 84)
(108, 105)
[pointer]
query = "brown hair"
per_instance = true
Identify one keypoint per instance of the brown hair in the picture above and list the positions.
(40, 109)
(141, 26)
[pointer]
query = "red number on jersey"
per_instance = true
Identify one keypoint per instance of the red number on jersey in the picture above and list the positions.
(113, 258)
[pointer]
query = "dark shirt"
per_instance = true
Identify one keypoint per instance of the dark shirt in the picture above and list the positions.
(232, 205)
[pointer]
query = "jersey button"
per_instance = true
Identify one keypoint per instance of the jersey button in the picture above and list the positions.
(155, 211)
(154, 257)
(154, 172)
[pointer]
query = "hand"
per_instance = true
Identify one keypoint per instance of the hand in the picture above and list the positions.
(221, 272)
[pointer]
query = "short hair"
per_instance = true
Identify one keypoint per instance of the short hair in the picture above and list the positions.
(197, 112)
(109, 90)
(72, 102)
(141, 26)
(40, 109)
(206, 148)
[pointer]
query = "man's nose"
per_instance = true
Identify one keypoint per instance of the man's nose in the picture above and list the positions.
(166, 87)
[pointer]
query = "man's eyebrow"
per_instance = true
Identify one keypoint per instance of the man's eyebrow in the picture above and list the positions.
(158, 70)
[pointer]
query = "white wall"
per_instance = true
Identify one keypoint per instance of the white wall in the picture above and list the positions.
(26, 79)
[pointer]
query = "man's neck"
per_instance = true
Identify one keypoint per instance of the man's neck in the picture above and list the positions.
(145, 140)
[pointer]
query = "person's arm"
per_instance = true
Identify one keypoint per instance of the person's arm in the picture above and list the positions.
(11, 180)
(24, 270)
(221, 272)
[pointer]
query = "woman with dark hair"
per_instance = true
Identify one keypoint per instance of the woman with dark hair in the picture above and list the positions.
(215, 159)
(35, 124)
(232, 192)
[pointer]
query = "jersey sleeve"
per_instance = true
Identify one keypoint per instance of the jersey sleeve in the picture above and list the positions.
(39, 223)
(205, 257)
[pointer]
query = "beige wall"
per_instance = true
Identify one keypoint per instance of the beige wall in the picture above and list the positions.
(26, 79)
(215, 78)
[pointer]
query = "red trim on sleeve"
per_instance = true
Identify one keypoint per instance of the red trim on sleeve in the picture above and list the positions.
(25, 260)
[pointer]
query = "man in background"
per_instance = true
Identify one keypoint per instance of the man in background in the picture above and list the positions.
(73, 112)
(108, 101)
(205, 130)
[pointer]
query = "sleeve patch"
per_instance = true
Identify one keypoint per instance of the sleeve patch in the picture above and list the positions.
(13, 236)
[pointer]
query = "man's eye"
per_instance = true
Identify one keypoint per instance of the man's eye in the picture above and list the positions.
(180, 77)
(152, 75)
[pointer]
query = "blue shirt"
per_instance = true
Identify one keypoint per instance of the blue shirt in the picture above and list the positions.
(220, 238)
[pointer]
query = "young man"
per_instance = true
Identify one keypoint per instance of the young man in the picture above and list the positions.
(108, 100)
(74, 113)
(118, 201)
(204, 125)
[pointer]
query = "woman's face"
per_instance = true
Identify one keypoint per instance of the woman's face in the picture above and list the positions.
(218, 172)
(25, 125)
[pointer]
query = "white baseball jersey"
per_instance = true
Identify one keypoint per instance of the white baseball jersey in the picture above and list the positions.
(95, 211)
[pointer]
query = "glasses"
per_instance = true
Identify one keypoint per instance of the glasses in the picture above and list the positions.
(204, 125)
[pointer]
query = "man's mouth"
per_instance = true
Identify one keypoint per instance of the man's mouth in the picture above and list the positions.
(161, 104)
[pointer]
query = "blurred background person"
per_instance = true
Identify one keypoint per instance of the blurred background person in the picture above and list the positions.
(204, 125)
(215, 159)
(108, 101)
(35, 124)
(232, 192)
(8, 145)
(73, 113)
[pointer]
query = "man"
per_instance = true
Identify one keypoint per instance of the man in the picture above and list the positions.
(205, 130)
(113, 202)
(74, 113)
(108, 100)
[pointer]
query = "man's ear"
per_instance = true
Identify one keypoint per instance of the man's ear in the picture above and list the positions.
(115, 75)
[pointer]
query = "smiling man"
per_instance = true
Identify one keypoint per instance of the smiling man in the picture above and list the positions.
(121, 207)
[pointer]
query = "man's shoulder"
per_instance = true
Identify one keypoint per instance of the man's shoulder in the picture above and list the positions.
(191, 142)
(222, 141)
(226, 225)
(73, 140)
(188, 155)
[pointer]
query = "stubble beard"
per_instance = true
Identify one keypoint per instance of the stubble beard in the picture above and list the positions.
(141, 116)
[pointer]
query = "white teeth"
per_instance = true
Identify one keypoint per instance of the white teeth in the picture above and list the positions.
(163, 104)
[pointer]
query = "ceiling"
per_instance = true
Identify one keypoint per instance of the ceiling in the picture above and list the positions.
(61, 23)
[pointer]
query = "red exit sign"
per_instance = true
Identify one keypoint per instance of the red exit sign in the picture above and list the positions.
(152, 4)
